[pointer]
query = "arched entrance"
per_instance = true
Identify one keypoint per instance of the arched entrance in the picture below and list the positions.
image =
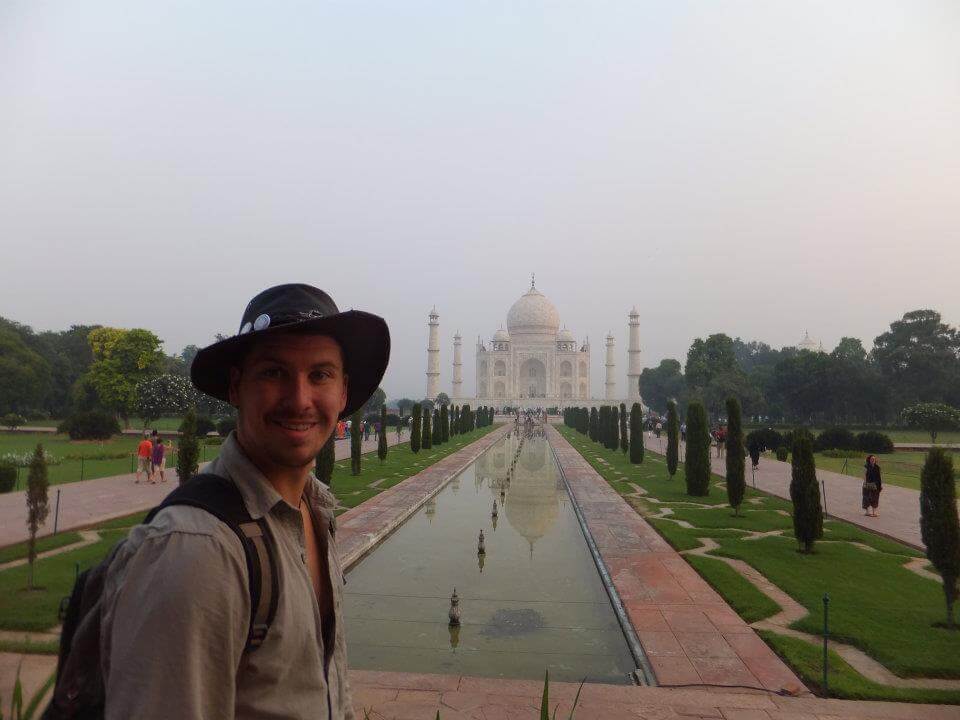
(533, 379)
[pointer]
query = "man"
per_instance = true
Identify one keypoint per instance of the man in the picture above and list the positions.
(144, 455)
(176, 601)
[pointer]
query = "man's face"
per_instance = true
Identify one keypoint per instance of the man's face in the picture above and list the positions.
(288, 393)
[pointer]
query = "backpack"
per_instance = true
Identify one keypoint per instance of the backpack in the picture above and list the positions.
(79, 693)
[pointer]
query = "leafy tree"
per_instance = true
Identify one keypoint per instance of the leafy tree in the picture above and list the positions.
(736, 481)
(427, 405)
(122, 360)
(443, 400)
(426, 441)
(188, 354)
(697, 461)
(673, 438)
(12, 420)
(37, 505)
(382, 435)
(444, 424)
(356, 441)
(624, 438)
(69, 355)
(188, 453)
(805, 492)
(92, 425)
(164, 395)
(636, 433)
(374, 402)
(24, 374)
(325, 460)
(939, 524)
(415, 430)
(594, 425)
(726, 384)
(708, 358)
(919, 356)
(662, 383)
(932, 417)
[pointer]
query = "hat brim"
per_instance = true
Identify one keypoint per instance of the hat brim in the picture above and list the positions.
(363, 337)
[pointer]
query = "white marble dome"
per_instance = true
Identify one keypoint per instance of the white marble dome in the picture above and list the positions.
(501, 335)
(533, 314)
(566, 336)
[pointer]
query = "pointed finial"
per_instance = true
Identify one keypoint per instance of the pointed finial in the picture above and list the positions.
(533, 280)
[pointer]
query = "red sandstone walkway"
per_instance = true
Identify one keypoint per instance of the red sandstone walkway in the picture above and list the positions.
(93, 501)
(690, 635)
(899, 507)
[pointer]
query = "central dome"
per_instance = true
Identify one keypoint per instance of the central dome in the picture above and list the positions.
(533, 314)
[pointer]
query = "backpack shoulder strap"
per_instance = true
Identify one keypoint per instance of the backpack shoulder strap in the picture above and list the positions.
(221, 498)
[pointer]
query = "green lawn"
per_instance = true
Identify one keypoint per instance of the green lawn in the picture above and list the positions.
(98, 458)
(50, 542)
(898, 435)
(899, 468)
(164, 423)
(37, 610)
(876, 604)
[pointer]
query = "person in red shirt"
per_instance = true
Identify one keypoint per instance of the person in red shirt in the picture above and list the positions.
(144, 453)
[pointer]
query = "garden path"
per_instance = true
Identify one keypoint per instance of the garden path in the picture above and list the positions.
(92, 501)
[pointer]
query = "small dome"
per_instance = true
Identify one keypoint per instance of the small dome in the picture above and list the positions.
(501, 335)
(533, 314)
(566, 336)
(807, 343)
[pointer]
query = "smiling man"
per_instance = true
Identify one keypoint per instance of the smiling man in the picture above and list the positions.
(227, 603)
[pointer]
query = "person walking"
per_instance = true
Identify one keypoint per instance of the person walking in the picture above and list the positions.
(872, 485)
(144, 457)
(158, 462)
(183, 634)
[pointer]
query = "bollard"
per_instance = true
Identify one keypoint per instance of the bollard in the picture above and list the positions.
(826, 632)
(56, 513)
(823, 485)
(81, 468)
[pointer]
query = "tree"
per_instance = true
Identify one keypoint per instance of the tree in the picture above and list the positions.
(673, 438)
(164, 395)
(697, 461)
(624, 438)
(188, 354)
(919, 357)
(594, 425)
(37, 504)
(24, 374)
(708, 358)
(444, 424)
(932, 417)
(662, 383)
(415, 431)
(188, 453)
(805, 492)
(122, 360)
(636, 433)
(404, 404)
(325, 460)
(454, 420)
(939, 524)
(736, 480)
(613, 431)
(442, 399)
(465, 420)
(382, 435)
(356, 441)
(12, 420)
(426, 441)
(436, 434)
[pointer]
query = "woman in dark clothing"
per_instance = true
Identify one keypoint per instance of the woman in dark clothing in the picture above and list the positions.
(871, 487)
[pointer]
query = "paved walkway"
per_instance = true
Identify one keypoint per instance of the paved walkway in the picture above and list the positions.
(689, 634)
(92, 501)
(899, 507)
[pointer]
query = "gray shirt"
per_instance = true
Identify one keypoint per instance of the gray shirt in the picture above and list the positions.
(176, 612)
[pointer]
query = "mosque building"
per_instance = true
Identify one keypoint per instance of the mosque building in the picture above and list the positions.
(534, 362)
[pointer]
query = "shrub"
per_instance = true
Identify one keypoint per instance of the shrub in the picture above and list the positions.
(37, 505)
(805, 493)
(188, 452)
(92, 425)
(673, 438)
(783, 452)
(34, 414)
(764, 439)
(8, 476)
(426, 438)
(382, 435)
(697, 462)
(835, 438)
(932, 417)
(636, 433)
(226, 425)
(204, 425)
(624, 438)
(415, 414)
(736, 484)
(12, 420)
(594, 425)
(872, 441)
(939, 526)
(842, 454)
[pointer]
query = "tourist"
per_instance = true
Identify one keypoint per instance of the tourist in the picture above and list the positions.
(872, 486)
(158, 461)
(366, 430)
(683, 432)
(659, 428)
(177, 636)
(144, 456)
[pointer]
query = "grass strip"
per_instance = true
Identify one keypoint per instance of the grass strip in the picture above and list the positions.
(30, 647)
(750, 604)
(50, 542)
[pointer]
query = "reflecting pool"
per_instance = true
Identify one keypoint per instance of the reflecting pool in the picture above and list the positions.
(534, 600)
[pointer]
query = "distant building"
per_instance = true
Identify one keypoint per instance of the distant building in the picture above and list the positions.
(808, 343)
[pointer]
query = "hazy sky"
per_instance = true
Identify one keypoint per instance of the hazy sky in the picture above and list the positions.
(757, 168)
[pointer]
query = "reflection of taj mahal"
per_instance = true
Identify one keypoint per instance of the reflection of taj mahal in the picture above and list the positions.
(534, 363)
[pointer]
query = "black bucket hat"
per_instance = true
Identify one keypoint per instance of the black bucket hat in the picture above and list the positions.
(363, 337)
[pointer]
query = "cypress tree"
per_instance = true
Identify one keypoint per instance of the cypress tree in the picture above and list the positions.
(426, 440)
(624, 438)
(188, 451)
(444, 425)
(356, 438)
(603, 425)
(736, 480)
(325, 459)
(636, 433)
(415, 413)
(613, 435)
(673, 438)
(466, 419)
(382, 438)
(805, 492)
(939, 525)
(435, 437)
(584, 421)
(38, 506)
(593, 425)
(697, 462)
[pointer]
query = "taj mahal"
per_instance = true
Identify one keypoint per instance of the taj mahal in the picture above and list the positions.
(534, 363)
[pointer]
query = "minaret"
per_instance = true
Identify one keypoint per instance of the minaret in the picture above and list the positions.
(457, 367)
(611, 383)
(633, 353)
(433, 356)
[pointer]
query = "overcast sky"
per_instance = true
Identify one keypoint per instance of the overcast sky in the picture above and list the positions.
(756, 168)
